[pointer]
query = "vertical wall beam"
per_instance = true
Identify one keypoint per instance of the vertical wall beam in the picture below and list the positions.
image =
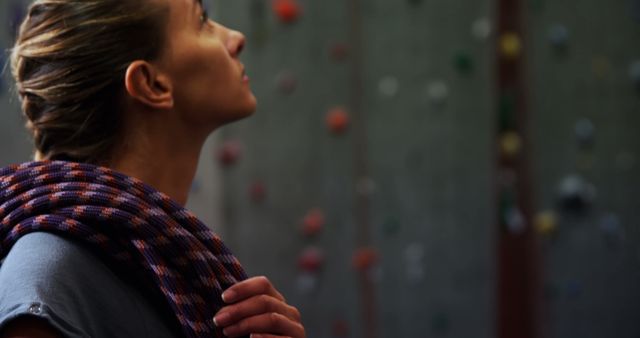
(518, 281)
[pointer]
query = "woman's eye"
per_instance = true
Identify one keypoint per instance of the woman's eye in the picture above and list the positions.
(204, 18)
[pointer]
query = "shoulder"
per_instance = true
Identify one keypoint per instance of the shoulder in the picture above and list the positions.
(62, 283)
(48, 266)
(33, 279)
(42, 260)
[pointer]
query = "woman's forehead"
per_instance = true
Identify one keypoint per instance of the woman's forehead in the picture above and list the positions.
(187, 5)
(183, 9)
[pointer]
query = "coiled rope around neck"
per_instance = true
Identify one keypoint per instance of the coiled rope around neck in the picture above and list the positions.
(129, 222)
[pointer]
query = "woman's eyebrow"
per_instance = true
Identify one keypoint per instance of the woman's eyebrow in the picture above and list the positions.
(198, 6)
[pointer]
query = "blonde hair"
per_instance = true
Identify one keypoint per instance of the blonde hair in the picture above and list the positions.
(69, 63)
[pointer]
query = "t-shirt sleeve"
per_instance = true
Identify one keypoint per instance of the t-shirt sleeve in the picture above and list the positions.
(32, 284)
(64, 283)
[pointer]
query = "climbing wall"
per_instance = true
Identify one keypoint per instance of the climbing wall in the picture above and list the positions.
(16, 145)
(375, 125)
(366, 185)
(585, 112)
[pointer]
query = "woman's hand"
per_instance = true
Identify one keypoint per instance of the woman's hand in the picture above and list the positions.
(256, 308)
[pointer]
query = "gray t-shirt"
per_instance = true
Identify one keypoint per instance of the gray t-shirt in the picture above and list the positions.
(62, 282)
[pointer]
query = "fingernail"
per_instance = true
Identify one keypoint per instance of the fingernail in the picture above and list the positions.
(228, 296)
(221, 319)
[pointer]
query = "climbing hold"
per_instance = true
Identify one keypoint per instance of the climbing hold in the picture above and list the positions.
(286, 82)
(546, 222)
(463, 62)
(438, 92)
(585, 132)
(364, 258)
(311, 259)
(510, 46)
(576, 195)
(559, 37)
(313, 222)
(388, 86)
(229, 153)
(337, 120)
(510, 143)
(481, 29)
(287, 11)
(257, 191)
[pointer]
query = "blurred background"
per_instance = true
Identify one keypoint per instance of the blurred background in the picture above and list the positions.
(428, 168)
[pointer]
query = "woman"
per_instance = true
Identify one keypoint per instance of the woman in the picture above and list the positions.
(117, 93)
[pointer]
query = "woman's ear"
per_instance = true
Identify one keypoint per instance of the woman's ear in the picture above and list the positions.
(145, 84)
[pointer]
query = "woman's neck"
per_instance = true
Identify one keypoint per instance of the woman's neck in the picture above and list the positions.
(162, 159)
(172, 177)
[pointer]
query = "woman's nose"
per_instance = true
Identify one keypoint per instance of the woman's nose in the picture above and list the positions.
(236, 42)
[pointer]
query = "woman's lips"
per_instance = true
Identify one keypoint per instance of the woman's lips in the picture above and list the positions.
(245, 78)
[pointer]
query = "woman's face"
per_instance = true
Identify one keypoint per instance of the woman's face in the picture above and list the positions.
(201, 57)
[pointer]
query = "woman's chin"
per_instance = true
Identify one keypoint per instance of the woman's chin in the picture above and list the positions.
(252, 106)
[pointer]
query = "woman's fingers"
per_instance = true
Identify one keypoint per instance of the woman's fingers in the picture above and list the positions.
(268, 323)
(254, 306)
(257, 308)
(249, 288)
